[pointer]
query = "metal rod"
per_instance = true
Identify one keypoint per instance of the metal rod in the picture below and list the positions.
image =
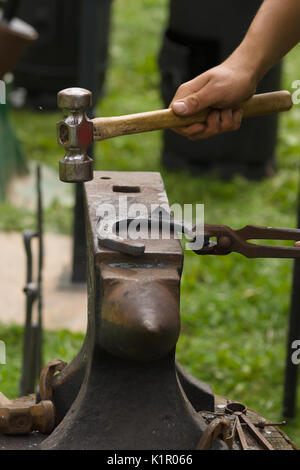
(291, 370)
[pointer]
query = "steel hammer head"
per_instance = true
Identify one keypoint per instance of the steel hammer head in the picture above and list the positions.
(75, 134)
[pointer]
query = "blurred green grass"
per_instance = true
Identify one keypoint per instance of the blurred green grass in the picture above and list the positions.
(234, 310)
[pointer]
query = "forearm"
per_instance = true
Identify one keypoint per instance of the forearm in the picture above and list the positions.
(274, 31)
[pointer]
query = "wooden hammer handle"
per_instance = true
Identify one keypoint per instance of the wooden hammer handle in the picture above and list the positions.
(258, 105)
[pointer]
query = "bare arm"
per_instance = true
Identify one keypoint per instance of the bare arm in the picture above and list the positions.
(274, 31)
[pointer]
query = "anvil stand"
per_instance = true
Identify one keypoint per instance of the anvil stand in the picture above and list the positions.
(133, 396)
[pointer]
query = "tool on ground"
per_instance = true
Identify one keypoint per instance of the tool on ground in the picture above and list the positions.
(264, 423)
(32, 346)
(19, 418)
(219, 427)
(46, 378)
(240, 410)
(76, 132)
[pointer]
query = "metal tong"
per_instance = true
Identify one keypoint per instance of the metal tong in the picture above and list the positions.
(240, 410)
(229, 240)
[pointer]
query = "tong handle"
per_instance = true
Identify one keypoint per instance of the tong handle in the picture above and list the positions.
(252, 250)
(269, 233)
(266, 251)
(229, 241)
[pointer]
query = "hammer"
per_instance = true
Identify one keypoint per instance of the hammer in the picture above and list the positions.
(76, 132)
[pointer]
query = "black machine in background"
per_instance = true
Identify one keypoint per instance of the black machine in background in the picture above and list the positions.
(53, 62)
(201, 35)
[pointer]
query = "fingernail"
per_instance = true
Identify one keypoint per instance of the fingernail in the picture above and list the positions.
(180, 107)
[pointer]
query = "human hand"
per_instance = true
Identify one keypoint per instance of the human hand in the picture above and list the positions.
(223, 87)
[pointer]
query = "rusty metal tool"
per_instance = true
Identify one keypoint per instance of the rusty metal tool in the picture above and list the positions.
(219, 427)
(229, 241)
(264, 423)
(46, 378)
(76, 132)
(240, 410)
(21, 418)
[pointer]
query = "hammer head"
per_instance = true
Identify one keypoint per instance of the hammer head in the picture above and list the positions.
(75, 134)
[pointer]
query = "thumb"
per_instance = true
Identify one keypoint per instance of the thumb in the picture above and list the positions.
(193, 103)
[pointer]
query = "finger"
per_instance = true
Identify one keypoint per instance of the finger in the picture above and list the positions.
(213, 127)
(237, 119)
(297, 244)
(227, 122)
(213, 124)
(187, 131)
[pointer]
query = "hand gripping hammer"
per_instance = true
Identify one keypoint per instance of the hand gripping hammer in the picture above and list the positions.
(76, 132)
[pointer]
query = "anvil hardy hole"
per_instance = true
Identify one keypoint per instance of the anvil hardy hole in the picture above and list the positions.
(105, 178)
(126, 189)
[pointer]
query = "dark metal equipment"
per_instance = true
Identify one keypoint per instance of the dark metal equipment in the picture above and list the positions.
(32, 347)
(130, 345)
(54, 61)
